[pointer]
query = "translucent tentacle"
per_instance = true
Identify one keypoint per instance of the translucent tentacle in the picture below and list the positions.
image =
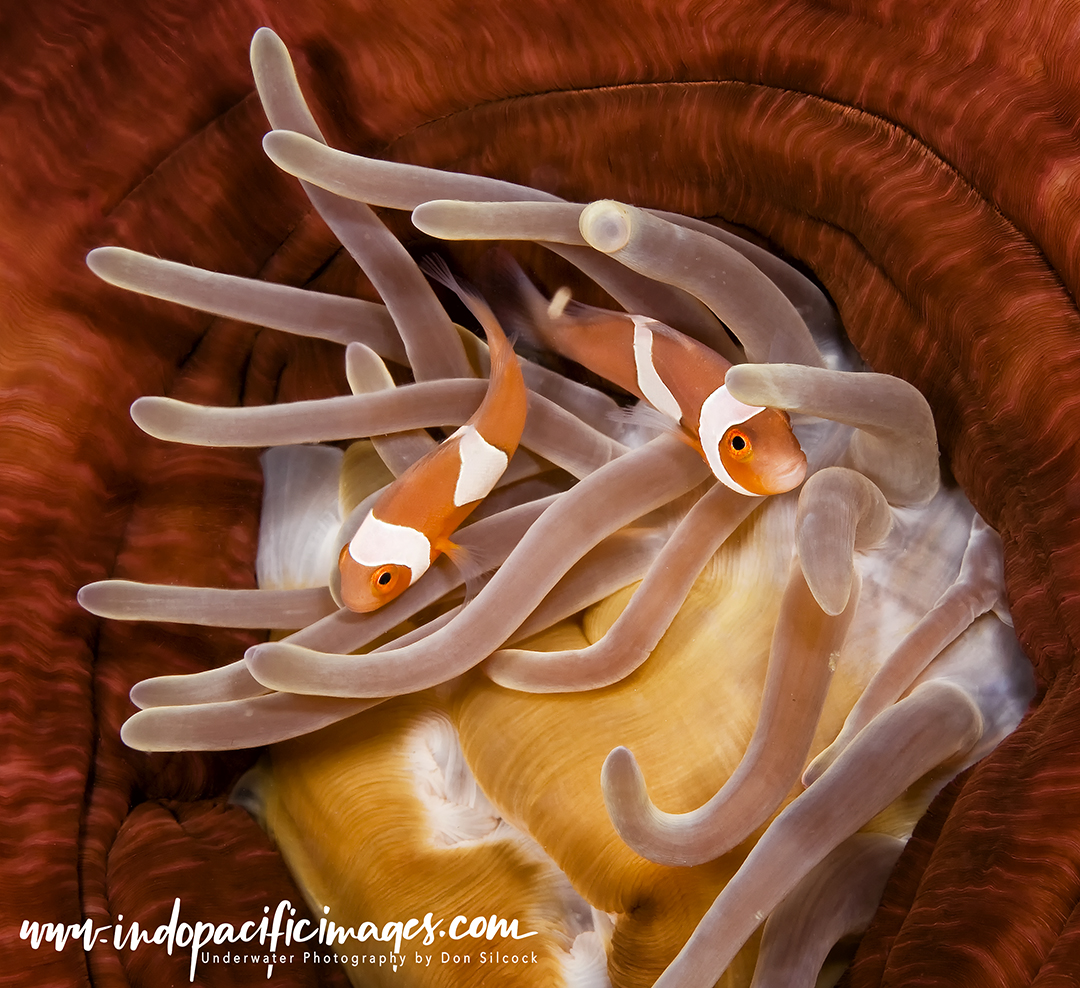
(343, 630)
(400, 186)
(125, 600)
(801, 662)
(618, 561)
(895, 443)
(430, 339)
(810, 301)
(452, 219)
(935, 724)
(367, 374)
(836, 899)
(228, 682)
(839, 511)
(757, 312)
(550, 431)
(635, 633)
(544, 222)
(625, 489)
(293, 310)
(244, 723)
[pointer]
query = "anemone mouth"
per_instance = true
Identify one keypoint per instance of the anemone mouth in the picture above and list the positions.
(1030, 546)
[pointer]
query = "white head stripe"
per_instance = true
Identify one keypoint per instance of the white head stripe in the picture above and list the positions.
(656, 392)
(719, 412)
(481, 466)
(377, 543)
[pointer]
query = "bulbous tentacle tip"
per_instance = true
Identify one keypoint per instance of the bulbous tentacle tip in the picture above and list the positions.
(606, 225)
(136, 732)
(99, 260)
(266, 42)
(816, 768)
(87, 595)
(623, 784)
(147, 413)
(288, 149)
(255, 653)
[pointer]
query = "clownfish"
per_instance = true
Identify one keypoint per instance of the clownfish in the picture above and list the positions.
(749, 448)
(413, 519)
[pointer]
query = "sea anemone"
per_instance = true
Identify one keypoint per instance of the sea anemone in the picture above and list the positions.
(873, 571)
(919, 160)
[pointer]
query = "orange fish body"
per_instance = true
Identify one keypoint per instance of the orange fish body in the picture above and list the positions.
(413, 519)
(749, 448)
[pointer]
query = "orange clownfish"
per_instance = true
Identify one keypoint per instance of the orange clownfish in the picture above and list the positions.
(749, 448)
(411, 522)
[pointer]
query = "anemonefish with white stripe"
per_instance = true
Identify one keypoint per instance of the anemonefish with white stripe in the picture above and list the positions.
(749, 448)
(412, 521)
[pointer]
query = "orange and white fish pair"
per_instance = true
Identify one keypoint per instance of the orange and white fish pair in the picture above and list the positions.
(749, 448)
(412, 521)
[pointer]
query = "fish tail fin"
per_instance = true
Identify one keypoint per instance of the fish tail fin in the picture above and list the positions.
(501, 416)
(438, 270)
(521, 307)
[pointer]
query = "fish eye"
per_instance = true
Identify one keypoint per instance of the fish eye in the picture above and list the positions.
(738, 444)
(384, 580)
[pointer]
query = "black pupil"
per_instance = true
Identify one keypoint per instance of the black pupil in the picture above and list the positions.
(384, 578)
(738, 443)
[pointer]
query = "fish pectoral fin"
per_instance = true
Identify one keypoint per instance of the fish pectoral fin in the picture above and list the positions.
(647, 419)
(471, 562)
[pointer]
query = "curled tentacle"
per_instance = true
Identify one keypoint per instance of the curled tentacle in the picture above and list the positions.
(618, 561)
(636, 631)
(937, 723)
(759, 314)
(836, 899)
(431, 342)
(626, 488)
(292, 310)
(977, 590)
(839, 511)
(895, 443)
(801, 662)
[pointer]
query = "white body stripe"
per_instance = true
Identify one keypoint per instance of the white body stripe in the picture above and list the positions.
(377, 543)
(481, 466)
(719, 412)
(656, 392)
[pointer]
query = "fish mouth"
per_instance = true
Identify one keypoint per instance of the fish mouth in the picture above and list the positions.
(790, 478)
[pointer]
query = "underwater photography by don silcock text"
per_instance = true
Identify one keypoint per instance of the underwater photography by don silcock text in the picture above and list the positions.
(553, 495)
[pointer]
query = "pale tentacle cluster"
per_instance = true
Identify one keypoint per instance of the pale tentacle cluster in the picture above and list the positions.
(890, 578)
